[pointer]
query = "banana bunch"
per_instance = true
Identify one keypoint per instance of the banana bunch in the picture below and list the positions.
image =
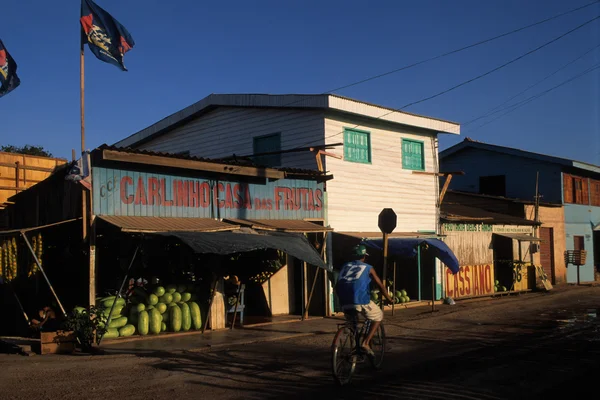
(37, 245)
(8, 259)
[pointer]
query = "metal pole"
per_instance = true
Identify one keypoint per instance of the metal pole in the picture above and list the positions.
(43, 272)
(120, 290)
(20, 305)
(394, 289)
(384, 274)
(82, 115)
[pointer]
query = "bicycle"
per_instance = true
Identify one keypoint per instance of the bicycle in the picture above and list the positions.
(343, 361)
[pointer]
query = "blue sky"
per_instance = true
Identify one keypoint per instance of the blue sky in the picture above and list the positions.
(187, 49)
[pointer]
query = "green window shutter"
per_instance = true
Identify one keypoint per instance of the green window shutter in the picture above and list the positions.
(267, 144)
(357, 146)
(413, 155)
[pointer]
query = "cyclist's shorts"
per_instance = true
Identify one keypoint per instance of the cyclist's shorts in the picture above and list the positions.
(369, 311)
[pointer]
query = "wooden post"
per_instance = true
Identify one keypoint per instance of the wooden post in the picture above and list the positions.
(433, 293)
(17, 177)
(92, 263)
(419, 270)
(237, 301)
(445, 188)
(394, 287)
(37, 261)
(384, 274)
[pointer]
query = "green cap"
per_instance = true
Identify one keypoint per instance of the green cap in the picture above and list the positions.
(360, 250)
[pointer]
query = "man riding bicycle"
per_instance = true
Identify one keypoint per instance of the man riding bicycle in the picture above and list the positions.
(353, 292)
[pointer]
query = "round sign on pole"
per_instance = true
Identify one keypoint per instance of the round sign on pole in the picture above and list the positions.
(387, 220)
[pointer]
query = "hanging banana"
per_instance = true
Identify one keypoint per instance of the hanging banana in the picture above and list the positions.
(40, 250)
(33, 265)
(14, 253)
(2, 274)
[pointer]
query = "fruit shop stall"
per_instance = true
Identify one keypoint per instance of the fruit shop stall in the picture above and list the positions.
(493, 250)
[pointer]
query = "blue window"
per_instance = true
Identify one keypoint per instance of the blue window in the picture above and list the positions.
(267, 144)
(357, 146)
(413, 156)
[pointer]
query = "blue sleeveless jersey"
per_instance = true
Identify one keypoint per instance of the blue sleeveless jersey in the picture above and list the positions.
(353, 283)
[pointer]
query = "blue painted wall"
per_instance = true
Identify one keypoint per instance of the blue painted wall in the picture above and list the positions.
(520, 173)
(135, 193)
(579, 221)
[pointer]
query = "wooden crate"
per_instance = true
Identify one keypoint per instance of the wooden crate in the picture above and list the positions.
(59, 342)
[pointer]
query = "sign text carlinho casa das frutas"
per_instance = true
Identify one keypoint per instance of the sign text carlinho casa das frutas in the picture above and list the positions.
(120, 192)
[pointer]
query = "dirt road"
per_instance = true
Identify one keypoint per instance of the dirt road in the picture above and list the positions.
(527, 346)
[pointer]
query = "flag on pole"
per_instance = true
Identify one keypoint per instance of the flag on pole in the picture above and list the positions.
(8, 72)
(106, 37)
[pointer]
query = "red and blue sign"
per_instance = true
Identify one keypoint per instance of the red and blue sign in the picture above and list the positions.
(134, 193)
(106, 37)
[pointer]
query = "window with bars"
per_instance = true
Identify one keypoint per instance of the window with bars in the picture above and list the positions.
(357, 146)
(413, 156)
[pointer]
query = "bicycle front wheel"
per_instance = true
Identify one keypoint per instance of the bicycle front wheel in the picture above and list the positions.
(378, 346)
(343, 356)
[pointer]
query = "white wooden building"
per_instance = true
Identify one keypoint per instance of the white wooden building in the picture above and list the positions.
(383, 153)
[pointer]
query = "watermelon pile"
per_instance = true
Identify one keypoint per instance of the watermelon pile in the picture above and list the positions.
(160, 309)
(169, 309)
(498, 287)
(401, 297)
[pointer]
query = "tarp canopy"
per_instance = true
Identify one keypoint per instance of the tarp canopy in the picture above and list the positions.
(407, 247)
(295, 245)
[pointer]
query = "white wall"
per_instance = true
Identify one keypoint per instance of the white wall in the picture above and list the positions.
(359, 192)
(228, 130)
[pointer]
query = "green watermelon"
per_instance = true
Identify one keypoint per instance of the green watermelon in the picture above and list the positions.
(186, 317)
(149, 307)
(126, 330)
(107, 302)
(143, 323)
(196, 316)
(152, 299)
(111, 333)
(403, 292)
(176, 297)
(159, 291)
(118, 322)
(166, 298)
(154, 322)
(163, 327)
(406, 299)
(171, 288)
(140, 307)
(175, 318)
(402, 299)
(503, 288)
(185, 297)
(161, 307)
(398, 293)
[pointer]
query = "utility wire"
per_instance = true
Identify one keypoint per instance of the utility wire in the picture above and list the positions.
(461, 49)
(522, 103)
(498, 109)
(475, 78)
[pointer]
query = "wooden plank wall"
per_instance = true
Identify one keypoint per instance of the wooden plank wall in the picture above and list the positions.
(31, 170)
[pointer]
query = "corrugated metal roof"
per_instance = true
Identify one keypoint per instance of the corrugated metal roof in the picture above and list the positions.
(308, 101)
(284, 225)
(171, 224)
(245, 162)
(460, 213)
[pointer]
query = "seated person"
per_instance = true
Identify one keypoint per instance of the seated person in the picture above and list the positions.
(47, 322)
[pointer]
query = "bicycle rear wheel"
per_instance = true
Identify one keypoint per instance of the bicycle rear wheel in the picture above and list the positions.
(378, 346)
(343, 357)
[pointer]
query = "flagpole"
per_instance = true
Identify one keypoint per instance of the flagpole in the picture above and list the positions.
(84, 192)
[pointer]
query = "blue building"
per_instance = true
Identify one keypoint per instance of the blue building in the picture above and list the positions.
(508, 172)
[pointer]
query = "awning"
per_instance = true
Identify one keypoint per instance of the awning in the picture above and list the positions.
(379, 235)
(523, 237)
(160, 224)
(407, 247)
(295, 245)
(281, 225)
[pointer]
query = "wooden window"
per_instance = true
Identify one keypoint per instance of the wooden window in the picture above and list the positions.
(413, 156)
(578, 243)
(267, 144)
(357, 146)
(595, 192)
(493, 185)
(576, 190)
